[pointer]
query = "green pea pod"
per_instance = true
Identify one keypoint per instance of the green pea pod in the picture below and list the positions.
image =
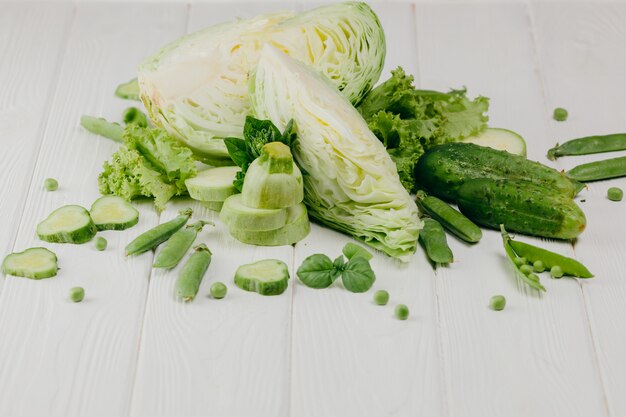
(433, 240)
(102, 127)
(157, 235)
(532, 253)
(589, 145)
(531, 279)
(452, 220)
(191, 275)
(599, 170)
(177, 246)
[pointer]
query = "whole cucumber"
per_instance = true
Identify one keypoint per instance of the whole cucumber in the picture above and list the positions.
(444, 168)
(522, 207)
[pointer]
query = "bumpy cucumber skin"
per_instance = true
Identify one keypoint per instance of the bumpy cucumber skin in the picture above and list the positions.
(25, 273)
(115, 226)
(433, 240)
(444, 168)
(262, 287)
(82, 235)
(522, 207)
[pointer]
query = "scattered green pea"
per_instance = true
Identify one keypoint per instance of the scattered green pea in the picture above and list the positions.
(401, 312)
(538, 266)
(77, 294)
(50, 184)
(560, 114)
(218, 290)
(381, 297)
(520, 261)
(556, 272)
(497, 302)
(526, 269)
(101, 243)
(615, 194)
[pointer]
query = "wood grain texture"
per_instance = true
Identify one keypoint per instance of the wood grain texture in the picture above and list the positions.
(225, 357)
(583, 70)
(350, 356)
(536, 357)
(58, 358)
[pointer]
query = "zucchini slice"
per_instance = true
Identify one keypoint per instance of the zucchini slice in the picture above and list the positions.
(68, 224)
(113, 213)
(296, 229)
(266, 277)
(238, 216)
(34, 263)
(213, 205)
(128, 90)
(213, 184)
(500, 139)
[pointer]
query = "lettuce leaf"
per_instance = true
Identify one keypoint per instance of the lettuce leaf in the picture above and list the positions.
(409, 121)
(149, 164)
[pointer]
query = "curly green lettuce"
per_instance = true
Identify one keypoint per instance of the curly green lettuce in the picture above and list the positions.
(149, 164)
(409, 121)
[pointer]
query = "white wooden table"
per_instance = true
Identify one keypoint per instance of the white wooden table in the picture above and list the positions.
(130, 349)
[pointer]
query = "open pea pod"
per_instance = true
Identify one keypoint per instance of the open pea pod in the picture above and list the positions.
(570, 267)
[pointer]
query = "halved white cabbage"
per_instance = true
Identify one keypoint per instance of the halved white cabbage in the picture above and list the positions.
(350, 182)
(196, 87)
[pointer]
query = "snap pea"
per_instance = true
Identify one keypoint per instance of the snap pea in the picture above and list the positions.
(556, 272)
(433, 240)
(157, 235)
(102, 127)
(538, 266)
(599, 170)
(451, 219)
(529, 278)
(177, 245)
(589, 145)
(526, 269)
(191, 275)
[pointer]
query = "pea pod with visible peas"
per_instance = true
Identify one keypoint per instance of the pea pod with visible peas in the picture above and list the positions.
(589, 145)
(433, 240)
(157, 235)
(451, 219)
(190, 277)
(177, 246)
(548, 259)
(599, 170)
(522, 271)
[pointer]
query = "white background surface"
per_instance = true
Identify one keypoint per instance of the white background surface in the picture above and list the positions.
(130, 349)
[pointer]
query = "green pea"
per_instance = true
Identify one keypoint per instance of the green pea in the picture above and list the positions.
(101, 243)
(556, 272)
(218, 290)
(526, 269)
(560, 114)
(401, 312)
(50, 184)
(538, 266)
(520, 261)
(497, 302)
(381, 297)
(77, 294)
(615, 194)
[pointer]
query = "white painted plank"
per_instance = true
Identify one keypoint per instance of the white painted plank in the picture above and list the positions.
(58, 358)
(221, 357)
(583, 70)
(351, 357)
(31, 38)
(536, 357)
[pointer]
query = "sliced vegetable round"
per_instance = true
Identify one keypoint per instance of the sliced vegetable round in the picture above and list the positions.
(500, 139)
(213, 205)
(296, 229)
(68, 224)
(213, 184)
(113, 213)
(266, 277)
(35, 263)
(236, 215)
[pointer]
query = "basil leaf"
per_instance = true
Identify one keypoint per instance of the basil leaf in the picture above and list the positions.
(238, 181)
(317, 271)
(237, 150)
(352, 250)
(288, 136)
(339, 263)
(358, 275)
(257, 133)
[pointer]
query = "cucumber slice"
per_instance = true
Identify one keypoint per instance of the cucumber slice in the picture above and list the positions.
(238, 216)
(35, 263)
(296, 229)
(213, 184)
(500, 139)
(213, 205)
(68, 224)
(266, 277)
(128, 90)
(113, 213)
